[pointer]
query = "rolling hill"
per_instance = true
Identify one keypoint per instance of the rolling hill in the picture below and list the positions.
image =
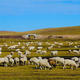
(74, 30)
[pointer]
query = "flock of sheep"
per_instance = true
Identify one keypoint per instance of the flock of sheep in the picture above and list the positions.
(55, 61)
(39, 62)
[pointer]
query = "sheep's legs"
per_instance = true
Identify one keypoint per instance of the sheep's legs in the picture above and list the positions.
(11, 64)
(28, 62)
(40, 67)
(64, 66)
(72, 67)
(45, 68)
(5, 65)
(36, 66)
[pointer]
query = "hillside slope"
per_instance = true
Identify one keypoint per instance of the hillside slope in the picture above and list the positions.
(75, 30)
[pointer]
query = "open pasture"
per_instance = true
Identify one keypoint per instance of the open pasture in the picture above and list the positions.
(29, 71)
(63, 49)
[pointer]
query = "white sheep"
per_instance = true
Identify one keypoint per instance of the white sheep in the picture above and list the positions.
(47, 43)
(22, 47)
(54, 53)
(38, 51)
(50, 47)
(9, 56)
(19, 43)
(31, 47)
(35, 61)
(43, 52)
(39, 48)
(19, 53)
(39, 43)
(23, 59)
(75, 59)
(0, 48)
(4, 61)
(27, 44)
(70, 63)
(11, 61)
(76, 51)
(17, 50)
(27, 52)
(58, 60)
(0, 52)
(16, 60)
(43, 63)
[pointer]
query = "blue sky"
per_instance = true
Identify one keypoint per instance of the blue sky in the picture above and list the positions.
(26, 15)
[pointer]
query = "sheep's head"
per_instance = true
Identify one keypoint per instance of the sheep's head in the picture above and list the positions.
(77, 65)
(12, 53)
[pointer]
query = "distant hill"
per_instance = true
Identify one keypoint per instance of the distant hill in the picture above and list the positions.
(74, 30)
(10, 33)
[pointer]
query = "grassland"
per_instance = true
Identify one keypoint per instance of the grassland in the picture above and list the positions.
(29, 72)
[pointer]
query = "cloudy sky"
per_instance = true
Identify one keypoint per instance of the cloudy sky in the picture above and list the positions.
(26, 15)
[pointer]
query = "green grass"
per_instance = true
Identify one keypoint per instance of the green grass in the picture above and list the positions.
(30, 73)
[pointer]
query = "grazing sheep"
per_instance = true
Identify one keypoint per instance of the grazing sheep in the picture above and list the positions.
(53, 53)
(69, 51)
(22, 47)
(39, 43)
(43, 52)
(58, 60)
(0, 48)
(76, 51)
(11, 61)
(19, 43)
(61, 44)
(4, 61)
(75, 59)
(52, 62)
(70, 63)
(39, 48)
(50, 47)
(13, 47)
(31, 47)
(35, 61)
(75, 46)
(23, 59)
(47, 43)
(9, 56)
(0, 52)
(27, 52)
(27, 44)
(16, 61)
(17, 50)
(38, 51)
(19, 53)
(43, 63)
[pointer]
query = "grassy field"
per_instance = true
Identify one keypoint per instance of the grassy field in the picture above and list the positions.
(29, 72)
